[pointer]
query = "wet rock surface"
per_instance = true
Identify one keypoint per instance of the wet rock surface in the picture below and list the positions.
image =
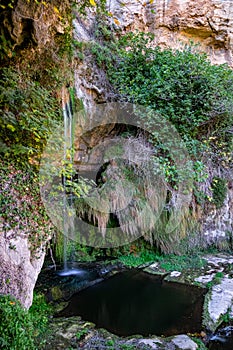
(58, 286)
(184, 342)
(74, 333)
(217, 276)
(222, 339)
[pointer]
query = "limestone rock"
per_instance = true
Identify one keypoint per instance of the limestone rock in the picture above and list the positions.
(174, 23)
(153, 343)
(34, 22)
(18, 269)
(220, 302)
(182, 341)
(219, 222)
(209, 23)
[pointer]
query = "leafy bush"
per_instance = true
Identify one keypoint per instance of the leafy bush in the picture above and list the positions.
(219, 188)
(179, 86)
(181, 262)
(39, 312)
(19, 327)
(134, 260)
(182, 86)
(29, 113)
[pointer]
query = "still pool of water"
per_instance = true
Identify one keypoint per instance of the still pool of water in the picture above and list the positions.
(134, 302)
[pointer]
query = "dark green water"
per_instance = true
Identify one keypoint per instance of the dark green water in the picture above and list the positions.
(134, 302)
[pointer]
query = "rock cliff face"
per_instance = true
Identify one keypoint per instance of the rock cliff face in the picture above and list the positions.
(33, 23)
(207, 23)
(217, 225)
(19, 269)
(29, 28)
(174, 22)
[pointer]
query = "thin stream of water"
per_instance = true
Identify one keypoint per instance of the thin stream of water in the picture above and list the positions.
(68, 158)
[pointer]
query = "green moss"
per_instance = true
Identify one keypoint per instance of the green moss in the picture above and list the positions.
(216, 280)
(21, 206)
(56, 293)
(201, 345)
(182, 262)
(219, 188)
(168, 262)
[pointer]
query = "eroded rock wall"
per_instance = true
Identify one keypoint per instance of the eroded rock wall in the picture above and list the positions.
(29, 28)
(19, 269)
(33, 23)
(217, 224)
(207, 23)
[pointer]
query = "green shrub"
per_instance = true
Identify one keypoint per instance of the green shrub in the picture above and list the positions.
(29, 114)
(16, 326)
(20, 328)
(39, 312)
(219, 188)
(179, 86)
(181, 262)
(169, 262)
(134, 260)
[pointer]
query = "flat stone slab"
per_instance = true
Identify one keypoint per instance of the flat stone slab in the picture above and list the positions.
(155, 269)
(185, 277)
(205, 278)
(184, 342)
(153, 343)
(221, 299)
(219, 259)
(175, 273)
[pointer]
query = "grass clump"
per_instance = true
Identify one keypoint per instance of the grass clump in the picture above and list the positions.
(145, 257)
(169, 262)
(182, 262)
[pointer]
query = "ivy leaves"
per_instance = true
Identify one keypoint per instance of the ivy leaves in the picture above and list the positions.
(182, 86)
(29, 113)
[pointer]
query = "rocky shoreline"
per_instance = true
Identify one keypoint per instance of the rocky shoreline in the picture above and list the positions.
(74, 333)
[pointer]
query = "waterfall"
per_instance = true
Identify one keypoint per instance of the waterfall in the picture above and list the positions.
(68, 211)
(68, 159)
